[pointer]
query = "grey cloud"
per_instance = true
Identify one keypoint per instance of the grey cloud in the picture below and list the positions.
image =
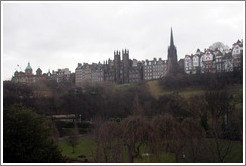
(57, 35)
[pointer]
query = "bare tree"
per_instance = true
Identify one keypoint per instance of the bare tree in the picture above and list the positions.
(161, 130)
(108, 140)
(136, 133)
(194, 139)
(73, 138)
(136, 105)
(218, 104)
(174, 136)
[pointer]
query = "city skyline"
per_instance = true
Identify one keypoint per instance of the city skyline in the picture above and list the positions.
(61, 35)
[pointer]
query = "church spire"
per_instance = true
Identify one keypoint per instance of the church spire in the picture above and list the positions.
(172, 56)
(171, 41)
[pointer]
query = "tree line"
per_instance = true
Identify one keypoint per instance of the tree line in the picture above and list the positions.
(204, 134)
(196, 127)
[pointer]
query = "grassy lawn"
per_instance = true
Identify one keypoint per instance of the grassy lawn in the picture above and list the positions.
(186, 93)
(236, 155)
(165, 158)
(123, 86)
(84, 147)
(237, 92)
(156, 90)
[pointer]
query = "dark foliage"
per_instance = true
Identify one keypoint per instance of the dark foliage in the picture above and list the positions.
(17, 93)
(26, 138)
(173, 104)
(208, 81)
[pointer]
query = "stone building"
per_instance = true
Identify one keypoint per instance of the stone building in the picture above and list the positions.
(135, 72)
(117, 68)
(116, 71)
(208, 62)
(214, 61)
(227, 63)
(154, 69)
(123, 70)
(82, 74)
(28, 77)
(125, 55)
(237, 53)
(61, 75)
(97, 73)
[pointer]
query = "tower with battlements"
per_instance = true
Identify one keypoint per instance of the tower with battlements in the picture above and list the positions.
(126, 65)
(117, 67)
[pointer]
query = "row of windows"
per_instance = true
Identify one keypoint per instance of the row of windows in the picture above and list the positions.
(149, 77)
(153, 66)
(133, 75)
(148, 74)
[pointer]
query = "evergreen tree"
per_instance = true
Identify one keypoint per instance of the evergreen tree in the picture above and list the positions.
(26, 137)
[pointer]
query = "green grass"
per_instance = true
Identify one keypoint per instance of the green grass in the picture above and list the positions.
(164, 158)
(84, 147)
(186, 93)
(236, 155)
(124, 86)
(156, 90)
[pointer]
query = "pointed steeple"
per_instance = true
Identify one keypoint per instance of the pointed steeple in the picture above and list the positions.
(171, 41)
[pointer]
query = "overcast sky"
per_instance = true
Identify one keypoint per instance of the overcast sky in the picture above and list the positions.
(61, 35)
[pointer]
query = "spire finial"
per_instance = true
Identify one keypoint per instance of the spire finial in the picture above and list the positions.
(171, 41)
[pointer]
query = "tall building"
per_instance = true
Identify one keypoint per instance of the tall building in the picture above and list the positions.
(154, 69)
(118, 71)
(125, 55)
(237, 54)
(61, 75)
(117, 66)
(172, 56)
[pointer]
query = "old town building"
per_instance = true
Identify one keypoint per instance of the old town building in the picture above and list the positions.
(154, 69)
(214, 61)
(28, 77)
(237, 53)
(122, 69)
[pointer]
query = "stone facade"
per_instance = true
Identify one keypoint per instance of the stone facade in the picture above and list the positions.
(214, 61)
(82, 74)
(237, 53)
(123, 70)
(155, 69)
(114, 71)
(28, 77)
(61, 75)
(96, 72)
